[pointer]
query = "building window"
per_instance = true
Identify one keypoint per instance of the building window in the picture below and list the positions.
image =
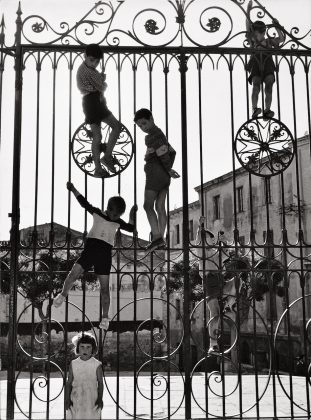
(191, 233)
(267, 190)
(240, 199)
(216, 200)
(177, 234)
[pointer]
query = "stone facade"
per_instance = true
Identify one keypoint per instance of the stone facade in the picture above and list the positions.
(253, 200)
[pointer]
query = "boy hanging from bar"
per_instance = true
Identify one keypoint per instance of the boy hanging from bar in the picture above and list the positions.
(159, 159)
(98, 248)
(217, 284)
(261, 65)
(92, 86)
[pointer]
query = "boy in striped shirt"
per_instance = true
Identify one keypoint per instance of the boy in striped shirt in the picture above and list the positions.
(92, 86)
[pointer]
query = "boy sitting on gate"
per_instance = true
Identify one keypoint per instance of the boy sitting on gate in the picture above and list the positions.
(92, 85)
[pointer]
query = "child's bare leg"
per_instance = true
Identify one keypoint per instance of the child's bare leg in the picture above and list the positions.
(161, 211)
(256, 81)
(73, 275)
(269, 80)
(116, 127)
(150, 198)
(97, 136)
(104, 293)
(214, 311)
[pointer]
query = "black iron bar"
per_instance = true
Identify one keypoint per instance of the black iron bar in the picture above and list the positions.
(15, 220)
(185, 212)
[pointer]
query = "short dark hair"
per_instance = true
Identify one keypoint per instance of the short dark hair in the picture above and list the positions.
(94, 51)
(259, 26)
(142, 113)
(85, 338)
(118, 203)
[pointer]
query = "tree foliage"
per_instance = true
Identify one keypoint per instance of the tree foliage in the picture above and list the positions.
(43, 276)
(266, 275)
(176, 280)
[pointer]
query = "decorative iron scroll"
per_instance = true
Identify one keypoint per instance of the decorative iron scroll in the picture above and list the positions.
(303, 360)
(81, 145)
(153, 375)
(172, 24)
(264, 147)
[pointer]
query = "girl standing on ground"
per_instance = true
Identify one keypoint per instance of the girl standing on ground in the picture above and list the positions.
(84, 386)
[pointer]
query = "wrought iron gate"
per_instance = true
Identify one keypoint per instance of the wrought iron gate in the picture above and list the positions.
(253, 222)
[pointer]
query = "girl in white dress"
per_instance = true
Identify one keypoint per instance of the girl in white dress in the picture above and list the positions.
(84, 386)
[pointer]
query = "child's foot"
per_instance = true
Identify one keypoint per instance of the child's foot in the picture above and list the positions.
(108, 162)
(155, 244)
(104, 324)
(58, 300)
(268, 114)
(256, 112)
(214, 350)
(101, 173)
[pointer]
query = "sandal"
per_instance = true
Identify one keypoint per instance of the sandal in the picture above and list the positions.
(267, 114)
(256, 112)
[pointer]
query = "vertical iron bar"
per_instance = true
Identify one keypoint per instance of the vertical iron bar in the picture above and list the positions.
(235, 232)
(119, 111)
(186, 305)
(168, 336)
(203, 237)
(35, 233)
(135, 242)
(1, 68)
(307, 69)
(15, 217)
(68, 233)
(300, 234)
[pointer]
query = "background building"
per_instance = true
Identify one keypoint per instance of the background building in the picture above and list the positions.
(254, 200)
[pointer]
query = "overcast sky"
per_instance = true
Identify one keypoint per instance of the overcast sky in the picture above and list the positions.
(216, 121)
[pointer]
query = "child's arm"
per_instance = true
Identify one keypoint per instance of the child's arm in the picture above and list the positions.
(280, 38)
(97, 80)
(68, 389)
(130, 226)
(100, 387)
(82, 200)
(73, 189)
(248, 22)
(132, 218)
(163, 154)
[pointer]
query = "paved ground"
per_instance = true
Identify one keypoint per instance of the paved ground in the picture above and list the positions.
(244, 395)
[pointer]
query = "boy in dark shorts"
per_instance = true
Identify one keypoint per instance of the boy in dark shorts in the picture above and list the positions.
(92, 84)
(158, 168)
(261, 65)
(215, 285)
(98, 247)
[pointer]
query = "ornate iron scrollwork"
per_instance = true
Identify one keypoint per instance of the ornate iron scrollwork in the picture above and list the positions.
(81, 145)
(150, 24)
(264, 147)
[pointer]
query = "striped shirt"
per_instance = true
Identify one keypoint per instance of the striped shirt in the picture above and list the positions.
(90, 80)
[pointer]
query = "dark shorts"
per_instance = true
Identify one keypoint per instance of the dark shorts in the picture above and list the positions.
(157, 179)
(95, 108)
(97, 254)
(260, 65)
(214, 285)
